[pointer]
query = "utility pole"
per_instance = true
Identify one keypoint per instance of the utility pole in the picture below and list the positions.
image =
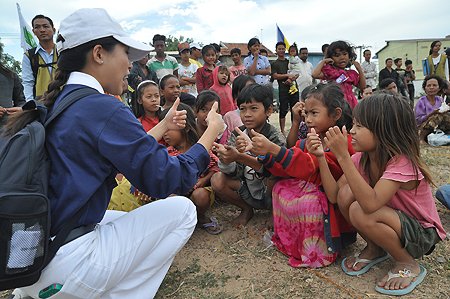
(360, 50)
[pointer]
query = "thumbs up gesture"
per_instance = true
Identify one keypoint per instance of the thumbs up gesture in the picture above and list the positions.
(314, 144)
(215, 120)
(176, 119)
(261, 145)
(243, 141)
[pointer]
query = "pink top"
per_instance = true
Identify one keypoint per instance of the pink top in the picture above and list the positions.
(224, 91)
(345, 78)
(236, 71)
(416, 203)
(232, 119)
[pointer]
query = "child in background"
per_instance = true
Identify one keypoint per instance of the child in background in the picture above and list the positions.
(308, 227)
(389, 84)
(294, 67)
(221, 77)
(238, 68)
(204, 76)
(336, 67)
(257, 66)
(187, 71)
(299, 129)
(410, 76)
(232, 119)
(148, 100)
(241, 181)
(432, 85)
(179, 141)
(170, 90)
(366, 92)
(203, 105)
(385, 193)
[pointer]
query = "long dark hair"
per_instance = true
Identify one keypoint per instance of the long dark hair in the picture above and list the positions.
(190, 130)
(239, 83)
(140, 111)
(69, 61)
(432, 46)
(391, 120)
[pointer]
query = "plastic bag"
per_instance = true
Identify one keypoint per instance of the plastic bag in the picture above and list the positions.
(438, 138)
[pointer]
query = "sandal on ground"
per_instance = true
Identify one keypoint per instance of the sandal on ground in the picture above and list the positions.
(405, 273)
(370, 264)
(213, 227)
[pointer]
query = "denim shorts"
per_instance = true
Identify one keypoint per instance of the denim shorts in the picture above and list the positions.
(418, 241)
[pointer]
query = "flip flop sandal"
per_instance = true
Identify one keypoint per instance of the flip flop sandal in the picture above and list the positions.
(405, 273)
(213, 227)
(366, 268)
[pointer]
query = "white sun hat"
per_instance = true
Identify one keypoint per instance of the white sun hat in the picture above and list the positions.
(87, 24)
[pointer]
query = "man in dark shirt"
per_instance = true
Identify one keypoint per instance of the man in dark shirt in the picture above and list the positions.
(388, 72)
(279, 72)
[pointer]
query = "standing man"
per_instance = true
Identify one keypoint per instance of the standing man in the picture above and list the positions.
(410, 76)
(39, 63)
(388, 72)
(196, 54)
(279, 72)
(162, 64)
(369, 69)
(305, 79)
(401, 76)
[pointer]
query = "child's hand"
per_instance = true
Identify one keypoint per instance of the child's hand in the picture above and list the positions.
(201, 183)
(314, 144)
(297, 111)
(215, 120)
(226, 153)
(261, 145)
(243, 141)
(328, 61)
(176, 119)
(337, 141)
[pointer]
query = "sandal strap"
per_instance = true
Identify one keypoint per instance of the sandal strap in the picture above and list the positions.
(359, 260)
(405, 273)
(214, 223)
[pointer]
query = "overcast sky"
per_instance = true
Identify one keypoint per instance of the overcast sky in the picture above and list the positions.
(309, 23)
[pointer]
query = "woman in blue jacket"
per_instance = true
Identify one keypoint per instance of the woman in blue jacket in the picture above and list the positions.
(122, 255)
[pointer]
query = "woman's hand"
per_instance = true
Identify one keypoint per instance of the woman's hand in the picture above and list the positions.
(174, 119)
(314, 144)
(337, 141)
(214, 119)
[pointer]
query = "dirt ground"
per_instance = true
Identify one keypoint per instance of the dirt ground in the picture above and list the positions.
(239, 264)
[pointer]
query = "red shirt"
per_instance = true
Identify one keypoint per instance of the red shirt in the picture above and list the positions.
(204, 78)
(148, 122)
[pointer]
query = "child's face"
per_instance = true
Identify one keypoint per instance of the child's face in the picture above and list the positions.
(340, 58)
(292, 52)
(171, 90)
(159, 46)
(255, 48)
(236, 58)
(174, 137)
(367, 92)
(203, 113)
(317, 116)
(363, 139)
(185, 55)
(223, 77)
(432, 87)
(253, 115)
(210, 57)
(150, 99)
(408, 67)
(281, 50)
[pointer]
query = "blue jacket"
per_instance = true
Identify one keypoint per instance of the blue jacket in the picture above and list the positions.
(93, 140)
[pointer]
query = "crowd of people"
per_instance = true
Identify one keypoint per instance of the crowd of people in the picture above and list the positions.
(174, 136)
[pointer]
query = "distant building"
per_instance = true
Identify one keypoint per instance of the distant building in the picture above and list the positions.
(415, 50)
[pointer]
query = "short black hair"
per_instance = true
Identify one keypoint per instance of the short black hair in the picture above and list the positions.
(387, 59)
(159, 37)
(257, 93)
(204, 97)
(324, 46)
(41, 17)
(301, 49)
(343, 46)
(280, 44)
(441, 83)
(263, 51)
(386, 82)
(206, 48)
(216, 47)
(235, 50)
(397, 60)
(366, 50)
(239, 83)
(408, 62)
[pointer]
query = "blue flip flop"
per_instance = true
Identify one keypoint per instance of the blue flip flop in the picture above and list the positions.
(403, 273)
(370, 264)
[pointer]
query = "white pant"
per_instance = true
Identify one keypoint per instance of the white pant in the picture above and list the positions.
(126, 256)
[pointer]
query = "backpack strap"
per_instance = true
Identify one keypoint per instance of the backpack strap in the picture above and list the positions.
(68, 100)
(34, 61)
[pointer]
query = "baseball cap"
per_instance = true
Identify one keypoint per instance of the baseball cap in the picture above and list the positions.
(183, 46)
(195, 45)
(87, 24)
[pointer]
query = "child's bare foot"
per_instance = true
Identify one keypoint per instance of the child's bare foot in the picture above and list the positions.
(368, 254)
(243, 218)
(401, 276)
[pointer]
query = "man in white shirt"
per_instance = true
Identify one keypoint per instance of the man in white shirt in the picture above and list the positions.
(370, 70)
(305, 79)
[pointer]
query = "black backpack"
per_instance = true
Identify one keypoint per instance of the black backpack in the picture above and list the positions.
(35, 65)
(25, 246)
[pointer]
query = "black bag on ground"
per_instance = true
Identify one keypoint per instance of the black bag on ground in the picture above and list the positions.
(25, 246)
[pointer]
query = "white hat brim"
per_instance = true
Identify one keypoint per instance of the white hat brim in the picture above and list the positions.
(137, 50)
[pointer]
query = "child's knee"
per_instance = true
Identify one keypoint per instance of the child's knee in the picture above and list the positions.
(218, 181)
(345, 197)
(201, 198)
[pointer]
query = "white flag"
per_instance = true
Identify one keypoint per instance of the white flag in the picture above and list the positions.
(27, 39)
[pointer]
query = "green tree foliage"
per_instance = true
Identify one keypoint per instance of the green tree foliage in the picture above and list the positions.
(9, 61)
(172, 42)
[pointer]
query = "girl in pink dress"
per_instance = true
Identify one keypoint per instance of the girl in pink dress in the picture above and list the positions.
(385, 191)
(335, 67)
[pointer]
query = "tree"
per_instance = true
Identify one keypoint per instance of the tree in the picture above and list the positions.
(9, 61)
(172, 42)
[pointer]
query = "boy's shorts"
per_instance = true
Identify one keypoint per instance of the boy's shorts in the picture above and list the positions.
(418, 241)
(262, 204)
